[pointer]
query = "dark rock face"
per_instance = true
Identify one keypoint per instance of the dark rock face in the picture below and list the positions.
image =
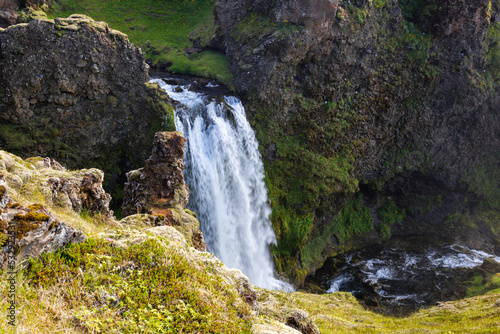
(159, 188)
(75, 90)
(317, 15)
(379, 89)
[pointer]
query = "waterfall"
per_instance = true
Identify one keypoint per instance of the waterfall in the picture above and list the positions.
(225, 174)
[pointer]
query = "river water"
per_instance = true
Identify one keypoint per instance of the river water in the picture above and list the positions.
(404, 275)
(225, 173)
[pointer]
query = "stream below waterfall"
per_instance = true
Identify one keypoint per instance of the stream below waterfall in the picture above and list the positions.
(404, 274)
(225, 174)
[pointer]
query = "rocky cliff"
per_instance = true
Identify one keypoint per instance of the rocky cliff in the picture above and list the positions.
(78, 91)
(397, 101)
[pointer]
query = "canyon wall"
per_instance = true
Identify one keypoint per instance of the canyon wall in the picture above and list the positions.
(396, 102)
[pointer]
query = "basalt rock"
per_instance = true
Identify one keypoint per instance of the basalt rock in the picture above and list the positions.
(384, 90)
(77, 91)
(159, 188)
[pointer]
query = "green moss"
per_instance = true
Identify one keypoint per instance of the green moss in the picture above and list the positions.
(390, 213)
(163, 30)
(191, 213)
(384, 231)
(36, 207)
(354, 219)
(139, 288)
(492, 72)
(29, 14)
(32, 216)
(482, 283)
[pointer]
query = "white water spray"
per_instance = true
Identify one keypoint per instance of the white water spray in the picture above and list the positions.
(225, 174)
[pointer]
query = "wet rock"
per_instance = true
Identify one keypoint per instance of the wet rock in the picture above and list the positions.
(159, 188)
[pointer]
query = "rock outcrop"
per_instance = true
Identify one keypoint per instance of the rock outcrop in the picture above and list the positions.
(159, 188)
(29, 231)
(53, 184)
(77, 91)
(386, 98)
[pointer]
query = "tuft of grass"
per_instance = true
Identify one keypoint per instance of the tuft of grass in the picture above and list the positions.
(162, 29)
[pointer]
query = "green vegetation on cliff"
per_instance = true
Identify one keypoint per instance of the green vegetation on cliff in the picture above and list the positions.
(341, 313)
(164, 30)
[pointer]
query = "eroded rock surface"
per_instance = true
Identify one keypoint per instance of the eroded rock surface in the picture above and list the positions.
(159, 188)
(388, 98)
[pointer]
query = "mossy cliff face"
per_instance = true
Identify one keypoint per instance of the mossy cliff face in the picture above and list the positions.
(75, 90)
(361, 93)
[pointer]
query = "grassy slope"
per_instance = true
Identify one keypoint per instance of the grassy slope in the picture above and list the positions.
(127, 280)
(161, 28)
(341, 313)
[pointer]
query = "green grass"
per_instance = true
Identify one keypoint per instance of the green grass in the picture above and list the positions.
(163, 29)
(145, 287)
(341, 313)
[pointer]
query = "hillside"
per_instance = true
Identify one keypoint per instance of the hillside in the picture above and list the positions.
(129, 276)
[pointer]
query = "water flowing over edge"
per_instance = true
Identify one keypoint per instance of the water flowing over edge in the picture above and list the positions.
(225, 173)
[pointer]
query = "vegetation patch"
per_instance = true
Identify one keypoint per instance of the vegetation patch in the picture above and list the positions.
(144, 287)
(354, 219)
(164, 30)
(485, 181)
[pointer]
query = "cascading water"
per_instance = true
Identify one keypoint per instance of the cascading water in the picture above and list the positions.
(225, 174)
